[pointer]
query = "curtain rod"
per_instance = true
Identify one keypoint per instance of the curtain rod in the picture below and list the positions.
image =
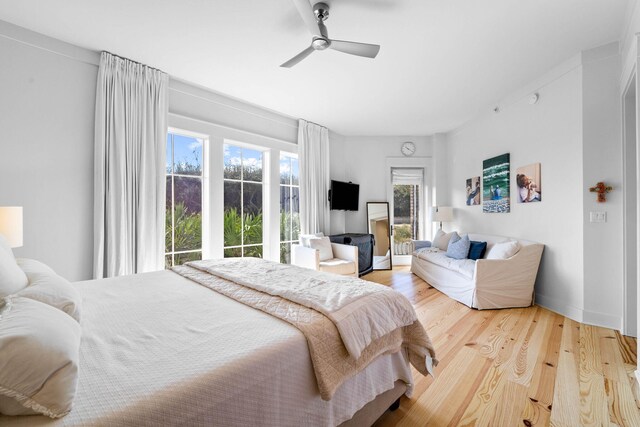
(317, 124)
(131, 60)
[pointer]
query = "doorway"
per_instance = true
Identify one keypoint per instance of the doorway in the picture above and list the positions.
(407, 205)
(630, 200)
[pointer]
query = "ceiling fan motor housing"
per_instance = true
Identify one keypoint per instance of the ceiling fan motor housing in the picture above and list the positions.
(321, 10)
(320, 43)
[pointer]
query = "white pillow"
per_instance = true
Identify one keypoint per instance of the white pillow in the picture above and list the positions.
(503, 250)
(441, 240)
(39, 353)
(12, 278)
(49, 288)
(323, 244)
(304, 238)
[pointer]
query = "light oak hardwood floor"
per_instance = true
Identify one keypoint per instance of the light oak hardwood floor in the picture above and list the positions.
(514, 367)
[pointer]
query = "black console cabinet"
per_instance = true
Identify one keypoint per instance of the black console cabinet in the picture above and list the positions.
(364, 242)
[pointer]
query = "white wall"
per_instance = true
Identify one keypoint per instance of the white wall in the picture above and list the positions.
(548, 132)
(362, 160)
(46, 148)
(337, 171)
(228, 114)
(602, 161)
(441, 172)
(574, 132)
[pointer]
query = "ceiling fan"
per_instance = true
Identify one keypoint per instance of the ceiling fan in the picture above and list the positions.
(314, 18)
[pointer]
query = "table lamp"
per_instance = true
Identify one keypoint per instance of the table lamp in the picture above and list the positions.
(11, 225)
(441, 214)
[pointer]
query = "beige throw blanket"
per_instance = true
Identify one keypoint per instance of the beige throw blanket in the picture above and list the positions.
(316, 303)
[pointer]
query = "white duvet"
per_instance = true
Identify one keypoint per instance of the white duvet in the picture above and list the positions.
(158, 349)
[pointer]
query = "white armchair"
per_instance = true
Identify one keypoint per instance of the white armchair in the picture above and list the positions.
(344, 260)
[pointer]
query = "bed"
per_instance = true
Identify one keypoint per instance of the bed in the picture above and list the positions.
(160, 349)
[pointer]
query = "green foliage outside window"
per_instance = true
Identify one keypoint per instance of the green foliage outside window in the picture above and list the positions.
(233, 228)
(188, 229)
(402, 233)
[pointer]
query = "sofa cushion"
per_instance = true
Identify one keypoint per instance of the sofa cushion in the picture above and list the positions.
(465, 267)
(503, 250)
(338, 266)
(458, 246)
(420, 253)
(477, 250)
(441, 240)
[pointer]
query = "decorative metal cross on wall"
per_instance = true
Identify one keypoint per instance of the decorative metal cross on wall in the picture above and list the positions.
(602, 190)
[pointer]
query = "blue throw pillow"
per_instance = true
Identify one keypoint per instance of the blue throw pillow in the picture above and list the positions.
(458, 246)
(477, 250)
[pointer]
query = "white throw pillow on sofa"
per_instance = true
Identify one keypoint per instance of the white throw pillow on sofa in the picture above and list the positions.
(323, 244)
(441, 240)
(12, 278)
(503, 250)
(39, 355)
(49, 288)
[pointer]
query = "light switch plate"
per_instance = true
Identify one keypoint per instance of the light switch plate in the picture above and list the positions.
(597, 217)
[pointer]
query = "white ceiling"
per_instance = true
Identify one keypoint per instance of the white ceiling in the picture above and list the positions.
(441, 62)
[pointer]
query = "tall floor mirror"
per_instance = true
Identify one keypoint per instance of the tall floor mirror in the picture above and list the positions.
(378, 223)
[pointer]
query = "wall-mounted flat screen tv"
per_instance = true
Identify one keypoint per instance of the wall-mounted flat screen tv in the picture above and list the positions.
(343, 196)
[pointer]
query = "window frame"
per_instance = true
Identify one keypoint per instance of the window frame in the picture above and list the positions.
(265, 169)
(291, 186)
(271, 145)
(204, 191)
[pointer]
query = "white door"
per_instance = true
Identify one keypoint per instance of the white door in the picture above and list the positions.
(631, 220)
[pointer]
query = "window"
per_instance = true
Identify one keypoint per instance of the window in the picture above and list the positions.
(289, 205)
(183, 231)
(242, 202)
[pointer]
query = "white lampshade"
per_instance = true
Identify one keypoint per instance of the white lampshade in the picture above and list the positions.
(11, 224)
(442, 214)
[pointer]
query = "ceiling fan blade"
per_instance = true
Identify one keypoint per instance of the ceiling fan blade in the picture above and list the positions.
(355, 48)
(299, 57)
(306, 13)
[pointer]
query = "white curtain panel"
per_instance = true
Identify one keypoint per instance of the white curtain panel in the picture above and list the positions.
(130, 143)
(313, 153)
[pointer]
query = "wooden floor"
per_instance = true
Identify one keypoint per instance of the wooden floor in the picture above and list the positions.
(515, 367)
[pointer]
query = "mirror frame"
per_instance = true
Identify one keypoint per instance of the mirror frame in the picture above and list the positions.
(388, 235)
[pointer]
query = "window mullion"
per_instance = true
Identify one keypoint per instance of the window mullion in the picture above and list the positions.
(173, 207)
(241, 203)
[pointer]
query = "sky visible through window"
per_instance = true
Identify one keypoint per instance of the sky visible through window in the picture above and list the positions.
(187, 155)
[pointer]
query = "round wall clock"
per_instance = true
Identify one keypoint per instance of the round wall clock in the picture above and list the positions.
(408, 149)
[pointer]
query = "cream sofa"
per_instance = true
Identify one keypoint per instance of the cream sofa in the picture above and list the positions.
(485, 283)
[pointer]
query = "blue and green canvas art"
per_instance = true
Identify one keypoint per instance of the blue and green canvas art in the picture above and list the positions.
(495, 184)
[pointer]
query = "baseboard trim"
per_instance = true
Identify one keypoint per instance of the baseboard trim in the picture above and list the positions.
(579, 315)
(565, 310)
(602, 319)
